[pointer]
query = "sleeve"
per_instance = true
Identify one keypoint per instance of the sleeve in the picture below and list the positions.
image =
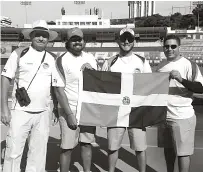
(198, 75)
(58, 80)
(147, 67)
(11, 66)
(195, 87)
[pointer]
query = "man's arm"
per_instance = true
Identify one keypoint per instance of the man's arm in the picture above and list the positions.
(5, 112)
(193, 86)
(64, 103)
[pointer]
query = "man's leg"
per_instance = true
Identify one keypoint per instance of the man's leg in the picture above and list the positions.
(87, 136)
(86, 155)
(114, 136)
(183, 131)
(65, 159)
(184, 163)
(141, 159)
(112, 159)
(15, 140)
(38, 142)
(170, 157)
(138, 143)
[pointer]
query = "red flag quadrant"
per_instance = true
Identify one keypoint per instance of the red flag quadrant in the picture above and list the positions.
(114, 99)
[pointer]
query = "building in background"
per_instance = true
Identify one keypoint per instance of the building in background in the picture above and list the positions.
(141, 8)
(81, 21)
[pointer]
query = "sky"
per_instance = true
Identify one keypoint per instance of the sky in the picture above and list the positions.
(51, 10)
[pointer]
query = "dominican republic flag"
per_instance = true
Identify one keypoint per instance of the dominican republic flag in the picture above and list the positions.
(114, 99)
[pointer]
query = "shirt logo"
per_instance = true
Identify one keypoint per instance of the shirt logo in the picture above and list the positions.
(126, 100)
(55, 80)
(45, 65)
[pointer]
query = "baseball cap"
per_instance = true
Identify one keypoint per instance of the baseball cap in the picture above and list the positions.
(124, 30)
(74, 32)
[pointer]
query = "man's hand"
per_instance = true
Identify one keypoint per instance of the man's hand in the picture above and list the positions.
(6, 117)
(174, 74)
(71, 121)
(55, 116)
(87, 66)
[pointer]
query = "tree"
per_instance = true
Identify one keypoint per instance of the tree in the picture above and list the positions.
(188, 21)
(195, 11)
(157, 20)
(176, 20)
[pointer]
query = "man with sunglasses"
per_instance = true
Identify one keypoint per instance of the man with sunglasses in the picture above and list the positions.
(66, 86)
(179, 131)
(127, 62)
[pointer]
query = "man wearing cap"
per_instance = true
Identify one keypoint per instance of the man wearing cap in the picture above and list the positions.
(69, 66)
(127, 62)
(32, 68)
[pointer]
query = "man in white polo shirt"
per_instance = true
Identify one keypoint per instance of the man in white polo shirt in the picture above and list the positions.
(69, 66)
(29, 67)
(179, 133)
(127, 62)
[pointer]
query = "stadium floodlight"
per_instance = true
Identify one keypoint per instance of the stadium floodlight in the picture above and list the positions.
(25, 3)
(79, 3)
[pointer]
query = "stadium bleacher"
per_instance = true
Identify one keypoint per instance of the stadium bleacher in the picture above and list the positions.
(109, 44)
(193, 50)
(93, 44)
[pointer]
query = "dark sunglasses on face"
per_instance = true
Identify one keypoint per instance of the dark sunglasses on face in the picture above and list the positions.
(39, 34)
(76, 39)
(172, 46)
(130, 39)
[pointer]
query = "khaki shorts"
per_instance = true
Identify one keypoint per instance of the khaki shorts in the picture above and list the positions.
(178, 133)
(70, 138)
(137, 138)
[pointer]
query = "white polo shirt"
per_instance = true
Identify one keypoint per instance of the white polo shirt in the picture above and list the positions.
(131, 63)
(71, 66)
(39, 90)
(180, 98)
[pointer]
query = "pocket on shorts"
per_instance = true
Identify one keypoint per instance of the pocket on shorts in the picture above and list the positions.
(191, 122)
(8, 145)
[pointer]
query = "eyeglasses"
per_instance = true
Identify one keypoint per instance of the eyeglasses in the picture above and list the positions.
(130, 39)
(172, 46)
(39, 34)
(76, 39)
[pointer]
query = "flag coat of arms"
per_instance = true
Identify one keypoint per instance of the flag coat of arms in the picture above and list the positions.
(115, 99)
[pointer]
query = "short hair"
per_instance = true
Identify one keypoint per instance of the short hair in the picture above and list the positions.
(172, 37)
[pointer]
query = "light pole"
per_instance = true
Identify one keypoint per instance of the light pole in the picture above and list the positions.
(25, 3)
(79, 3)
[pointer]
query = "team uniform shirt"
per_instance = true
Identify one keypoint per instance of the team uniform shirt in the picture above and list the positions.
(71, 66)
(24, 71)
(180, 98)
(131, 63)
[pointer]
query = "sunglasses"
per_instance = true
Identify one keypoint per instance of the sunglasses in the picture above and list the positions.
(124, 38)
(172, 46)
(76, 39)
(39, 34)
